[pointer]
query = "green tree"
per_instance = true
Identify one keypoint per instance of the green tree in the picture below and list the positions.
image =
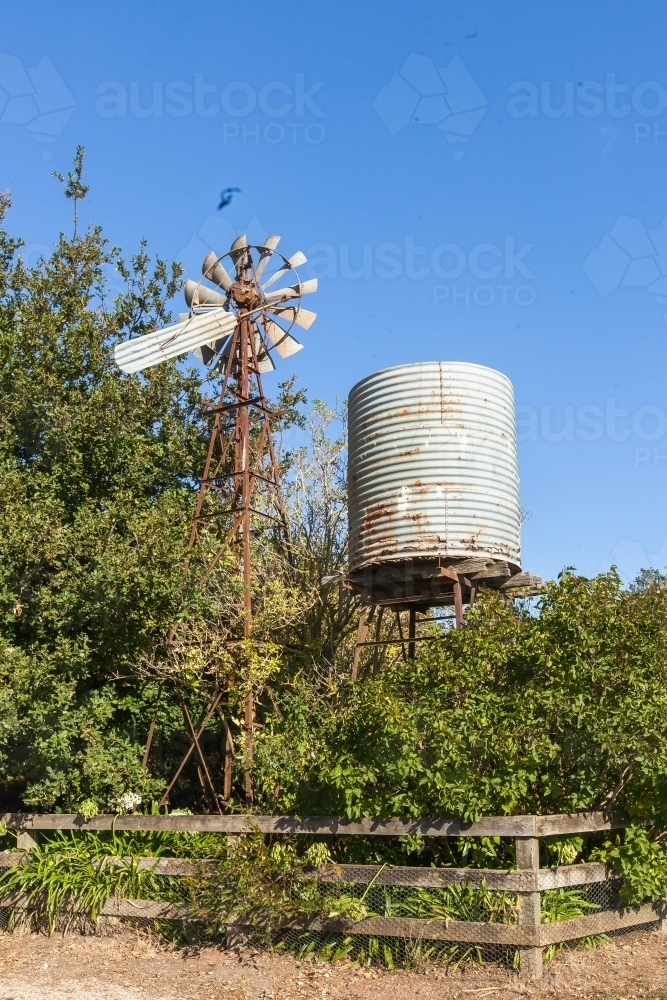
(97, 472)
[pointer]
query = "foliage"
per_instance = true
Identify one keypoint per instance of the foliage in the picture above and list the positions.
(559, 711)
(642, 861)
(566, 904)
(259, 881)
(75, 188)
(72, 877)
(647, 578)
(564, 850)
(96, 482)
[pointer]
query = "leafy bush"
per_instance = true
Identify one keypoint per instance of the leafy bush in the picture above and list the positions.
(72, 877)
(641, 859)
(556, 709)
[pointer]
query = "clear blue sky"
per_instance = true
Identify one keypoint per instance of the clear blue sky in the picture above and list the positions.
(474, 181)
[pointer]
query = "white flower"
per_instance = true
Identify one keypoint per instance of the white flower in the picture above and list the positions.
(127, 802)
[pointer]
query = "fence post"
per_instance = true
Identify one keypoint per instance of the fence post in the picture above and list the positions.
(528, 859)
(25, 841)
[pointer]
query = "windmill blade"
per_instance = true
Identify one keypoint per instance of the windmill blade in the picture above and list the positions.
(302, 317)
(262, 358)
(143, 352)
(265, 362)
(293, 291)
(238, 250)
(296, 260)
(266, 253)
(207, 352)
(284, 343)
(197, 294)
(215, 272)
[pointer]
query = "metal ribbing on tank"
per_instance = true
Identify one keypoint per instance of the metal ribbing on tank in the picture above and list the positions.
(433, 466)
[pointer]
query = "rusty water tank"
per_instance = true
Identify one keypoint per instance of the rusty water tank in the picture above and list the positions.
(433, 481)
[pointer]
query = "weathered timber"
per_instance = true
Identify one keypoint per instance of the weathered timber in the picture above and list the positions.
(490, 826)
(600, 923)
(494, 878)
(587, 822)
(146, 909)
(11, 859)
(528, 859)
(173, 866)
(25, 841)
(245, 823)
(431, 878)
(165, 866)
(567, 875)
(471, 932)
(160, 866)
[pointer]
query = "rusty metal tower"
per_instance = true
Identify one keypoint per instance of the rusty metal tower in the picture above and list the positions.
(235, 332)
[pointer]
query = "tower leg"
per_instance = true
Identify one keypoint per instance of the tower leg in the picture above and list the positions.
(458, 603)
(412, 631)
(400, 632)
(362, 632)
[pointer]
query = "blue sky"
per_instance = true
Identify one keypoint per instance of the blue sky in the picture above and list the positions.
(516, 223)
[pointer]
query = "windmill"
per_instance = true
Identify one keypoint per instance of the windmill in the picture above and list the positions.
(238, 320)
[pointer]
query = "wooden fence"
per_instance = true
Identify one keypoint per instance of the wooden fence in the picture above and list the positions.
(528, 880)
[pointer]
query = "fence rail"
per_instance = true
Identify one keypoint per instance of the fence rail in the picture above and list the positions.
(490, 826)
(528, 880)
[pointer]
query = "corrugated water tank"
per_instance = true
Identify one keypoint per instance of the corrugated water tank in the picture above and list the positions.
(433, 473)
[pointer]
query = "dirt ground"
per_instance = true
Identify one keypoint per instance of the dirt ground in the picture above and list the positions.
(73, 967)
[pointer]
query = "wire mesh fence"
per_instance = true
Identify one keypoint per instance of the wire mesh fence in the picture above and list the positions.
(460, 903)
(372, 914)
(388, 951)
(327, 899)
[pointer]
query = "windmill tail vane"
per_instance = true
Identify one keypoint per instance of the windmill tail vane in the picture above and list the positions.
(237, 322)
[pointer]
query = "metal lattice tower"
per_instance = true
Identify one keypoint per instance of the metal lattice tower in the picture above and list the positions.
(234, 333)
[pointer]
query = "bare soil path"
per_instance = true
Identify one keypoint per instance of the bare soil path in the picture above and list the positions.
(35, 967)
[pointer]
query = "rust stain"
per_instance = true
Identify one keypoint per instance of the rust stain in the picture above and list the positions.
(374, 515)
(472, 543)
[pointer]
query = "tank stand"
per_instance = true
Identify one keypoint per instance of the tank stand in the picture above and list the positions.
(408, 645)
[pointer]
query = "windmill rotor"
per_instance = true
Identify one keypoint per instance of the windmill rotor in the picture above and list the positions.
(233, 288)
